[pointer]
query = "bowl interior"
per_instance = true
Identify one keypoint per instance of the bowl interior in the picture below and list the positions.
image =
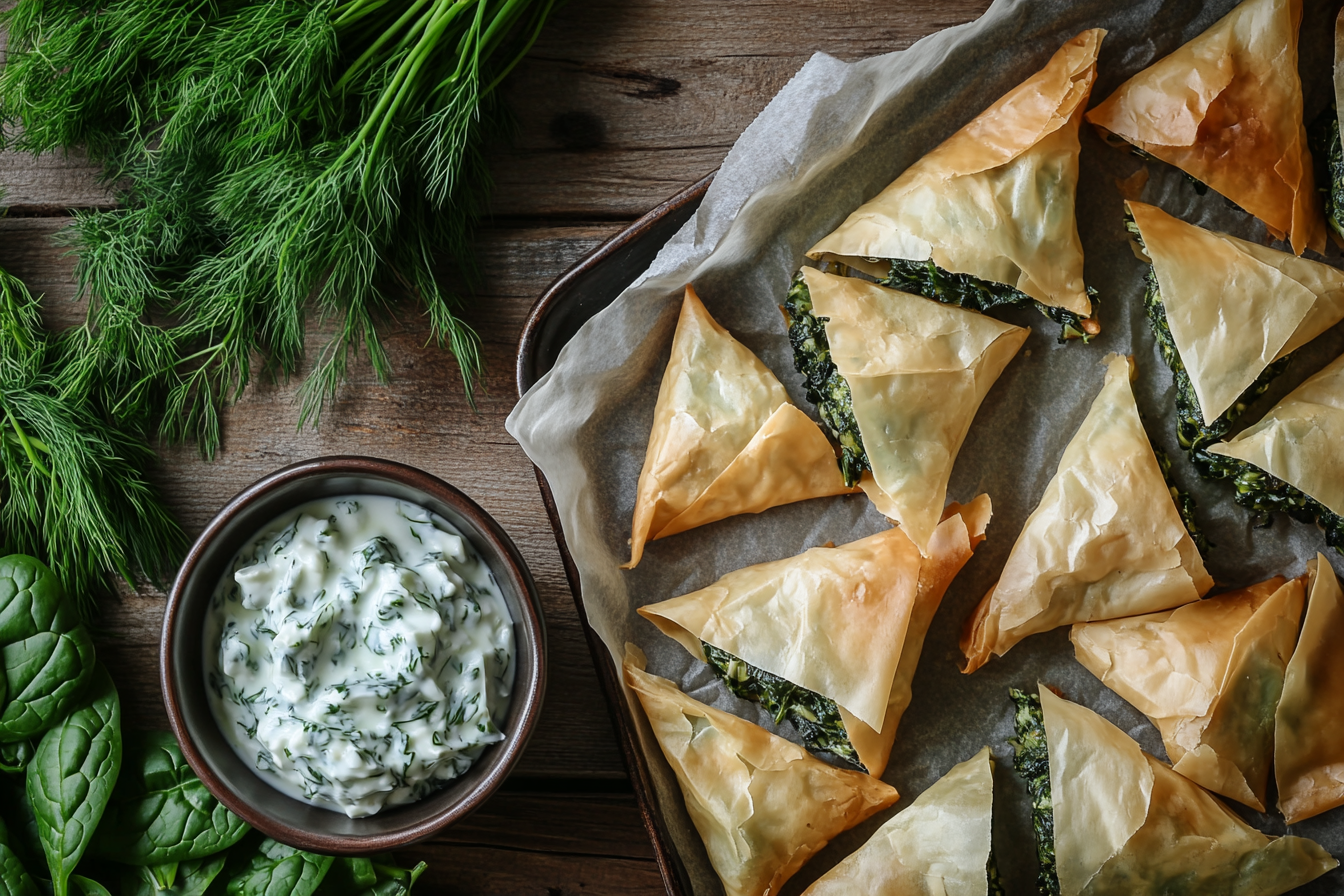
(231, 779)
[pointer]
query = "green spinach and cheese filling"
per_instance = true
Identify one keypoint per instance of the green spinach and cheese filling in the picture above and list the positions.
(359, 654)
(1264, 494)
(817, 718)
(1323, 135)
(826, 388)
(1031, 759)
(924, 278)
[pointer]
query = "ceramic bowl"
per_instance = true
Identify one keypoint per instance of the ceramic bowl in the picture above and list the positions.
(233, 781)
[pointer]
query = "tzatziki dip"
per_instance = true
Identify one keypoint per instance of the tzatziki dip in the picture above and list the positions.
(359, 654)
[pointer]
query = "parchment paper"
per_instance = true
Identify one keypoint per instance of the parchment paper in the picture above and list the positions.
(833, 137)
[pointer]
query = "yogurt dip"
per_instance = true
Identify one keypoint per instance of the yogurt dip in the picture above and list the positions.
(359, 654)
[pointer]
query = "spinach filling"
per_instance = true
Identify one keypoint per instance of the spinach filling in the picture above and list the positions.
(992, 876)
(1191, 431)
(826, 388)
(1184, 501)
(1263, 494)
(926, 279)
(1031, 759)
(1323, 137)
(817, 718)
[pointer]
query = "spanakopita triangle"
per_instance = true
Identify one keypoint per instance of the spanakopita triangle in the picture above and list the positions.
(1105, 541)
(937, 846)
(996, 199)
(1208, 675)
(1233, 307)
(1308, 746)
(1127, 825)
(763, 806)
(846, 623)
(725, 439)
(917, 371)
(1301, 440)
(1226, 109)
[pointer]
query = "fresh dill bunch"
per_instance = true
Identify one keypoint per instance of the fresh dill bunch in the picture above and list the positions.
(272, 158)
(72, 487)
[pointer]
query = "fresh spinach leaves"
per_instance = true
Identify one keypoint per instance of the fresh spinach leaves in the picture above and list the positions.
(72, 775)
(15, 756)
(369, 877)
(191, 878)
(279, 870)
(160, 811)
(45, 652)
(14, 878)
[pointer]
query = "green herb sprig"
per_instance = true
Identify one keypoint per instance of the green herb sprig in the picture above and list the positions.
(272, 158)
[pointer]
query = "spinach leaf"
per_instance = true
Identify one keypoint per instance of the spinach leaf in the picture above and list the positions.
(71, 778)
(817, 718)
(14, 879)
(280, 870)
(18, 815)
(369, 877)
(1031, 759)
(15, 756)
(87, 887)
(45, 652)
(160, 811)
(191, 878)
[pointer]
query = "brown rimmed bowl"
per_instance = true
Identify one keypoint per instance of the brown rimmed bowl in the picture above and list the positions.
(230, 779)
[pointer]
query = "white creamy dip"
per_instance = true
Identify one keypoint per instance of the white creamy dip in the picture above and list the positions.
(359, 653)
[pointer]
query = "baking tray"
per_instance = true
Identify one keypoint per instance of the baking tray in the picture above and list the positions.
(566, 305)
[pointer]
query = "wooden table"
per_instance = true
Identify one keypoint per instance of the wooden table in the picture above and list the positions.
(620, 104)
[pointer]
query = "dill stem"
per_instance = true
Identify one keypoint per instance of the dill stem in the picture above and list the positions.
(383, 38)
(536, 33)
(28, 446)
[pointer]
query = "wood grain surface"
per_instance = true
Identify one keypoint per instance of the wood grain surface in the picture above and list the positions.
(620, 104)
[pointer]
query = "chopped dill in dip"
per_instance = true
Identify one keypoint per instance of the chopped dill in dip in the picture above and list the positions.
(359, 654)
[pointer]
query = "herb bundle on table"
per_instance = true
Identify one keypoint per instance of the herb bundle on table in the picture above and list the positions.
(271, 157)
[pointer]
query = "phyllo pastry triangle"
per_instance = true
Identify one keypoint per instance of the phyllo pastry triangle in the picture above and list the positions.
(1208, 675)
(1226, 109)
(898, 380)
(1106, 540)
(987, 217)
(1226, 314)
(762, 805)
(828, 639)
(939, 845)
(1126, 824)
(1308, 742)
(725, 438)
(1293, 459)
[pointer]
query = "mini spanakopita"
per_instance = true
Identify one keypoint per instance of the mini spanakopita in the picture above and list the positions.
(828, 639)
(725, 438)
(1226, 109)
(987, 217)
(1308, 748)
(1106, 540)
(939, 845)
(1226, 314)
(898, 380)
(1208, 675)
(763, 806)
(1123, 823)
(1293, 459)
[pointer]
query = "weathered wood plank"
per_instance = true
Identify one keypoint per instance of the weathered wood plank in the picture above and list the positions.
(620, 104)
(421, 418)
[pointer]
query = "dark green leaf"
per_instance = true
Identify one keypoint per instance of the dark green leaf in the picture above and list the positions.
(279, 870)
(369, 877)
(160, 811)
(88, 887)
(46, 652)
(22, 823)
(190, 878)
(71, 778)
(14, 878)
(15, 755)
